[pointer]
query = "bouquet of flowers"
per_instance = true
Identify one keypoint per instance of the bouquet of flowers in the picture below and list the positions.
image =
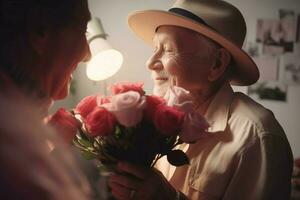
(131, 126)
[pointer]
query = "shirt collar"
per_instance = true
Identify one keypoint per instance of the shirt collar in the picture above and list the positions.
(218, 110)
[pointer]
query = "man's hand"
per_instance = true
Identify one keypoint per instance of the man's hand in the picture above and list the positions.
(136, 182)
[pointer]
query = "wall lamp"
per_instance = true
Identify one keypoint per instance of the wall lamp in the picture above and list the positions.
(105, 61)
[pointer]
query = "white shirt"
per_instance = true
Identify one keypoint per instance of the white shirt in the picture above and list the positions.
(247, 157)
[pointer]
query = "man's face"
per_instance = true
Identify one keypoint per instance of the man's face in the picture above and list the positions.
(181, 57)
(66, 48)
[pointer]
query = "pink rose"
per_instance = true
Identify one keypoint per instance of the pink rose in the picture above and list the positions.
(152, 103)
(194, 128)
(100, 122)
(65, 124)
(86, 106)
(177, 96)
(127, 107)
(125, 87)
(168, 120)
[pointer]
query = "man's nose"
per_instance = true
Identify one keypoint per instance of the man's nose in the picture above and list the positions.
(154, 63)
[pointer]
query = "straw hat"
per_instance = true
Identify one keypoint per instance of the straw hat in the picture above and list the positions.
(215, 19)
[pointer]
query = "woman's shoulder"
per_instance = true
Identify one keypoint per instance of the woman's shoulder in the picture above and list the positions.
(27, 169)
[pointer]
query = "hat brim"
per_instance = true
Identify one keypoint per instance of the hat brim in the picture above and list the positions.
(144, 24)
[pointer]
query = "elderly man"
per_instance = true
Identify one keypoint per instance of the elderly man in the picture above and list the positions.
(197, 46)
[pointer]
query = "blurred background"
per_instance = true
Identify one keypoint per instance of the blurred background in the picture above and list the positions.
(272, 40)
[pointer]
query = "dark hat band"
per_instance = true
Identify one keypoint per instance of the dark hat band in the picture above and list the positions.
(188, 14)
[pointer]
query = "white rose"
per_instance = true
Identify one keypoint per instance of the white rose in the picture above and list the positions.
(127, 107)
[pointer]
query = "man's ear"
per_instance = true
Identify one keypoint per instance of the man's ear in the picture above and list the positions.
(220, 65)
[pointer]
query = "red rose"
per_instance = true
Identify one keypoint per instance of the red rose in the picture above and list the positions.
(125, 87)
(86, 105)
(168, 120)
(102, 100)
(65, 123)
(152, 103)
(100, 122)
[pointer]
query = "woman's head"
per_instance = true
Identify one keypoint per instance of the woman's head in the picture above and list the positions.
(42, 41)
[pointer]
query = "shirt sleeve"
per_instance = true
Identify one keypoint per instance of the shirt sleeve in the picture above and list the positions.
(263, 170)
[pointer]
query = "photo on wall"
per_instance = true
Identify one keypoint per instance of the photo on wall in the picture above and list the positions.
(291, 69)
(273, 50)
(269, 34)
(277, 35)
(268, 90)
(288, 27)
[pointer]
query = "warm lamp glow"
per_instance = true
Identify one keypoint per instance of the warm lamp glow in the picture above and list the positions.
(105, 60)
(104, 65)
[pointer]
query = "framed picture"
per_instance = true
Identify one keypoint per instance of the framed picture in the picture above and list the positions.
(273, 50)
(270, 90)
(288, 27)
(268, 31)
(291, 69)
(277, 35)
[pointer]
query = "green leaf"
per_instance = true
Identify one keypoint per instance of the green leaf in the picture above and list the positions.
(177, 158)
(85, 143)
(77, 144)
(106, 169)
(96, 145)
(118, 132)
(88, 155)
(84, 136)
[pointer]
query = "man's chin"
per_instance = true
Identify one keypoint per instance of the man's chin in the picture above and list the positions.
(160, 90)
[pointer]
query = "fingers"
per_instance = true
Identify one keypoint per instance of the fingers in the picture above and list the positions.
(119, 191)
(126, 181)
(122, 186)
(138, 171)
(148, 183)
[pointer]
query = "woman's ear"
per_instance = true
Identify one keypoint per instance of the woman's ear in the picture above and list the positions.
(39, 40)
(38, 32)
(220, 65)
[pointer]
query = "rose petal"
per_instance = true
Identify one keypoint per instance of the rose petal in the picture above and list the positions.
(194, 127)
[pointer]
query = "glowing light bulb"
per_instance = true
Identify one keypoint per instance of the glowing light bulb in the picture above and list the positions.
(105, 64)
(105, 61)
